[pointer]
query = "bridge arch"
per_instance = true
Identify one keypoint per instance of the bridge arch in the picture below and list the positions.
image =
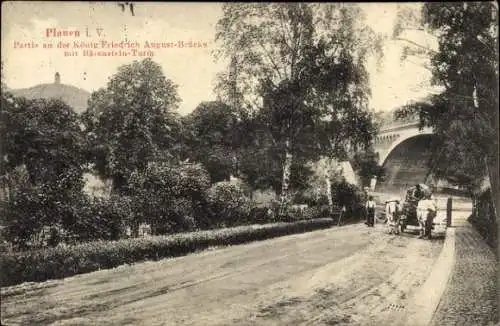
(399, 139)
(405, 161)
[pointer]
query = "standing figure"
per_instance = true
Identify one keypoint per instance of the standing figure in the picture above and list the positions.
(370, 212)
(426, 211)
(417, 192)
(392, 209)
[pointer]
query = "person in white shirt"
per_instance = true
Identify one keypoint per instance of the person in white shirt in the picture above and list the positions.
(392, 209)
(370, 212)
(426, 211)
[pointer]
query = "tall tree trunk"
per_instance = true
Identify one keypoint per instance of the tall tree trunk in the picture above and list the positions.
(285, 182)
(329, 192)
(492, 168)
(491, 164)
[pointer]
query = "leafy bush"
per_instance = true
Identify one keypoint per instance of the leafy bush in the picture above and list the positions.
(310, 198)
(170, 198)
(307, 213)
(64, 261)
(179, 217)
(30, 209)
(22, 218)
(43, 156)
(227, 204)
(103, 218)
(350, 196)
(260, 215)
(365, 164)
(316, 212)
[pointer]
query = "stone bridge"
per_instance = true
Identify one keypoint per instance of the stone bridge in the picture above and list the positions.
(404, 151)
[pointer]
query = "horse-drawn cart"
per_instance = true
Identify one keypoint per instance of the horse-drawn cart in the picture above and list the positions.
(408, 215)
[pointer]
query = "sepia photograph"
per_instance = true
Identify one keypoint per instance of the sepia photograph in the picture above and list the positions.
(247, 164)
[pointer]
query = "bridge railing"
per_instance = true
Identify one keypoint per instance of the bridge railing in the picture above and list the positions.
(398, 125)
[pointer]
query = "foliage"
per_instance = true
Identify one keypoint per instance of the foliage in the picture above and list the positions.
(307, 213)
(465, 115)
(133, 121)
(318, 191)
(44, 135)
(64, 261)
(484, 219)
(365, 164)
(310, 197)
(350, 196)
(21, 215)
(262, 168)
(299, 70)
(43, 166)
(227, 204)
(41, 216)
(261, 215)
(101, 219)
(169, 197)
(211, 136)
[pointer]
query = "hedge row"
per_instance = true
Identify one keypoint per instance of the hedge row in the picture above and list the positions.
(64, 261)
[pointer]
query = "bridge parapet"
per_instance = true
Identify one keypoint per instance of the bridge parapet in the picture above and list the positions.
(399, 125)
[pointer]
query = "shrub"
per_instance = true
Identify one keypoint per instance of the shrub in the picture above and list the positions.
(22, 216)
(260, 215)
(306, 213)
(109, 217)
(227, 204)
(178, 217)
(64, 261)
(34, 216)
(310, 198)
(170, 198)
(350, 196)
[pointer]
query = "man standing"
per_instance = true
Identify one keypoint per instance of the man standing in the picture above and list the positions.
(392, 209)
(370, 212)
(426, 211)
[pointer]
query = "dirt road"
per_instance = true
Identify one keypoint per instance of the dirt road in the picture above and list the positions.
(351, 275)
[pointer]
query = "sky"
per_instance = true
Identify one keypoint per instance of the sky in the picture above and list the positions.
(193, 69)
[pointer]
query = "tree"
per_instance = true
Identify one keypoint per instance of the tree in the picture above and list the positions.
(326, 171)
(133, 121)
(365, 164)
(211, 136)
(226, 204)
(45, 137)
(465, 115)
(166, 196)
(295, 66)
(42, 165)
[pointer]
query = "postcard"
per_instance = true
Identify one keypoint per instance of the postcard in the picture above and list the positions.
(177, 163)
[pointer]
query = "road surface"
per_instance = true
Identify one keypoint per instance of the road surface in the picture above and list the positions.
(350, 275)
